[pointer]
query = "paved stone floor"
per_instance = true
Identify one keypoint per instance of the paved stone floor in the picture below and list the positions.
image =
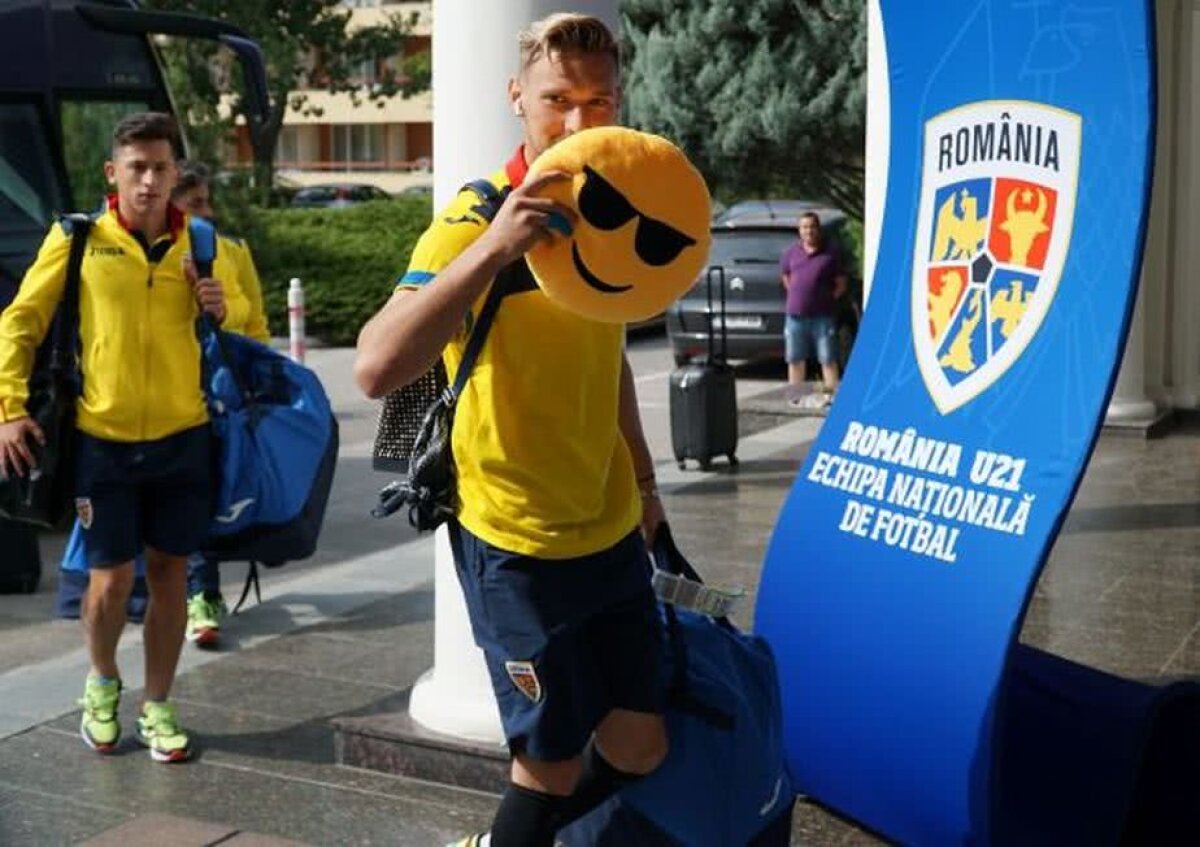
(1121, 592)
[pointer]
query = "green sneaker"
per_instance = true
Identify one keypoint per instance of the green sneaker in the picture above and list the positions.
(100, 728)
(204, 620)
(158, 729)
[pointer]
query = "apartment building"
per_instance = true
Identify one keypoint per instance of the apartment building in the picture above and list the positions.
(389, 146)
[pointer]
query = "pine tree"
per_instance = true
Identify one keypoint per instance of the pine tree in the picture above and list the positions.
(768, 97)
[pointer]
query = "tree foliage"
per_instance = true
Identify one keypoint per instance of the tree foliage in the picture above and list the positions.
(345, 258)
(307, 45)
(768, 97)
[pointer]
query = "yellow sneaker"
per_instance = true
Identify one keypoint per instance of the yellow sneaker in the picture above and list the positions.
(99, 727)
(158, 729)
(204, 620)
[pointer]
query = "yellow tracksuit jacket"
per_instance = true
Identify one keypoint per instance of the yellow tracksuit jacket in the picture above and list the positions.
(235, 263)
(140, 358)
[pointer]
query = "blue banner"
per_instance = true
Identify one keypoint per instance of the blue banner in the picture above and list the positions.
(1021, 140)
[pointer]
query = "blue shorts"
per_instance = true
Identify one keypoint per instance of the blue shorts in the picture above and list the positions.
(144, 493)
(805, 336)
(566, 641)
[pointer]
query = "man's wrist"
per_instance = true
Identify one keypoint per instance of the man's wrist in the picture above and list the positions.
(493, 254)
(648, 486)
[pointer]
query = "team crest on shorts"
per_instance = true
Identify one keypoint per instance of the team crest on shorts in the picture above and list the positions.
(525, 679)
(83, 510)
(998, 187)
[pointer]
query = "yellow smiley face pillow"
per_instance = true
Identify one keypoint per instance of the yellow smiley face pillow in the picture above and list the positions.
(642, 232)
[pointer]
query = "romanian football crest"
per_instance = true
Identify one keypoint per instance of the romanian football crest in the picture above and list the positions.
(997, 203)
(525, 678)
(83, 510)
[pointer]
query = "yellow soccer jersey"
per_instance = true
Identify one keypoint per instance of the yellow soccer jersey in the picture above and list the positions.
(542, 467)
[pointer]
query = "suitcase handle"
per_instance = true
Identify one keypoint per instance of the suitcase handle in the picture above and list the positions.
(719, 272)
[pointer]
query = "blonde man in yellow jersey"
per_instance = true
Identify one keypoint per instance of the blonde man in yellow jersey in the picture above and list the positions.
(556, 484)
(143, 476)
(193, 195)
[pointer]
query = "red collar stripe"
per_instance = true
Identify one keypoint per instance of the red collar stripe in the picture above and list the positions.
(517, 168)
(175, 218)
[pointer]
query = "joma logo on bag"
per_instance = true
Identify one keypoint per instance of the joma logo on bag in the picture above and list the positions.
(235, 511)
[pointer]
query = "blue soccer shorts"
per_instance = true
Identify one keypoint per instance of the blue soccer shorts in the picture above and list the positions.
(566, 641)
(145, 493)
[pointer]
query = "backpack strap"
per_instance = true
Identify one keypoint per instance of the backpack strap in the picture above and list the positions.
(77, 226)
(491, 197)
(203, 236)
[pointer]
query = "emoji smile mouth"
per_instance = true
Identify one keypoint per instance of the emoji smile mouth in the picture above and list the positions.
(591, 279)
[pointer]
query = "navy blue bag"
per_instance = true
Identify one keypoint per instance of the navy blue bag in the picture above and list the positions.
(275, 441)
(724, 782)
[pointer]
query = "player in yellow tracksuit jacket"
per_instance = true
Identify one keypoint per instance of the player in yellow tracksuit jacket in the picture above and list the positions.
(193, 195)
(143, 476)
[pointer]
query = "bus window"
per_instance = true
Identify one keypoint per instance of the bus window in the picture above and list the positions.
(71, 70)
(29, 193)
(87, 127)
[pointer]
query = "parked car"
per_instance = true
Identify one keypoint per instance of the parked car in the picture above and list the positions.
(748, 240)
(420, 190)
(337, 194)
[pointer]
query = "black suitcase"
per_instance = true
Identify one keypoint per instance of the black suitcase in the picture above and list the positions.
(20, 558)
(703, 398)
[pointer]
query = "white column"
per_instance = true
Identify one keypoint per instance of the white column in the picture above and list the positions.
(455, 695)
(1129, 404)
(474, 133)
(1186, 261)
(879, 142)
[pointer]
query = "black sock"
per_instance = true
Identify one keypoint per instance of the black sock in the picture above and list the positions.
(526, 818)
(598, 781)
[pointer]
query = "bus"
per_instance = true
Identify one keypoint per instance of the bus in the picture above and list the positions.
(70, 70)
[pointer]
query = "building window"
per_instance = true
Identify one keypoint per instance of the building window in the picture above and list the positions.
(365, 72)
(287, 151)
(358, 145)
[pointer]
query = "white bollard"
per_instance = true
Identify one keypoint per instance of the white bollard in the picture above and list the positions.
(295, 302)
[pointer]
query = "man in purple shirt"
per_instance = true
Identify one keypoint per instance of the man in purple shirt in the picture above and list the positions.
(813, 279)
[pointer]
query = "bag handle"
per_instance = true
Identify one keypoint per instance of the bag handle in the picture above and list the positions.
(666, 557)
(203, 235)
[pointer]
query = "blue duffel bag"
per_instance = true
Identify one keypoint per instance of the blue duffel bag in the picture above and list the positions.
(275, 448)
(275, 441)
(724, 782)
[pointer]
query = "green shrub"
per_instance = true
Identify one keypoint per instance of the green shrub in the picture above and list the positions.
(347, 259)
